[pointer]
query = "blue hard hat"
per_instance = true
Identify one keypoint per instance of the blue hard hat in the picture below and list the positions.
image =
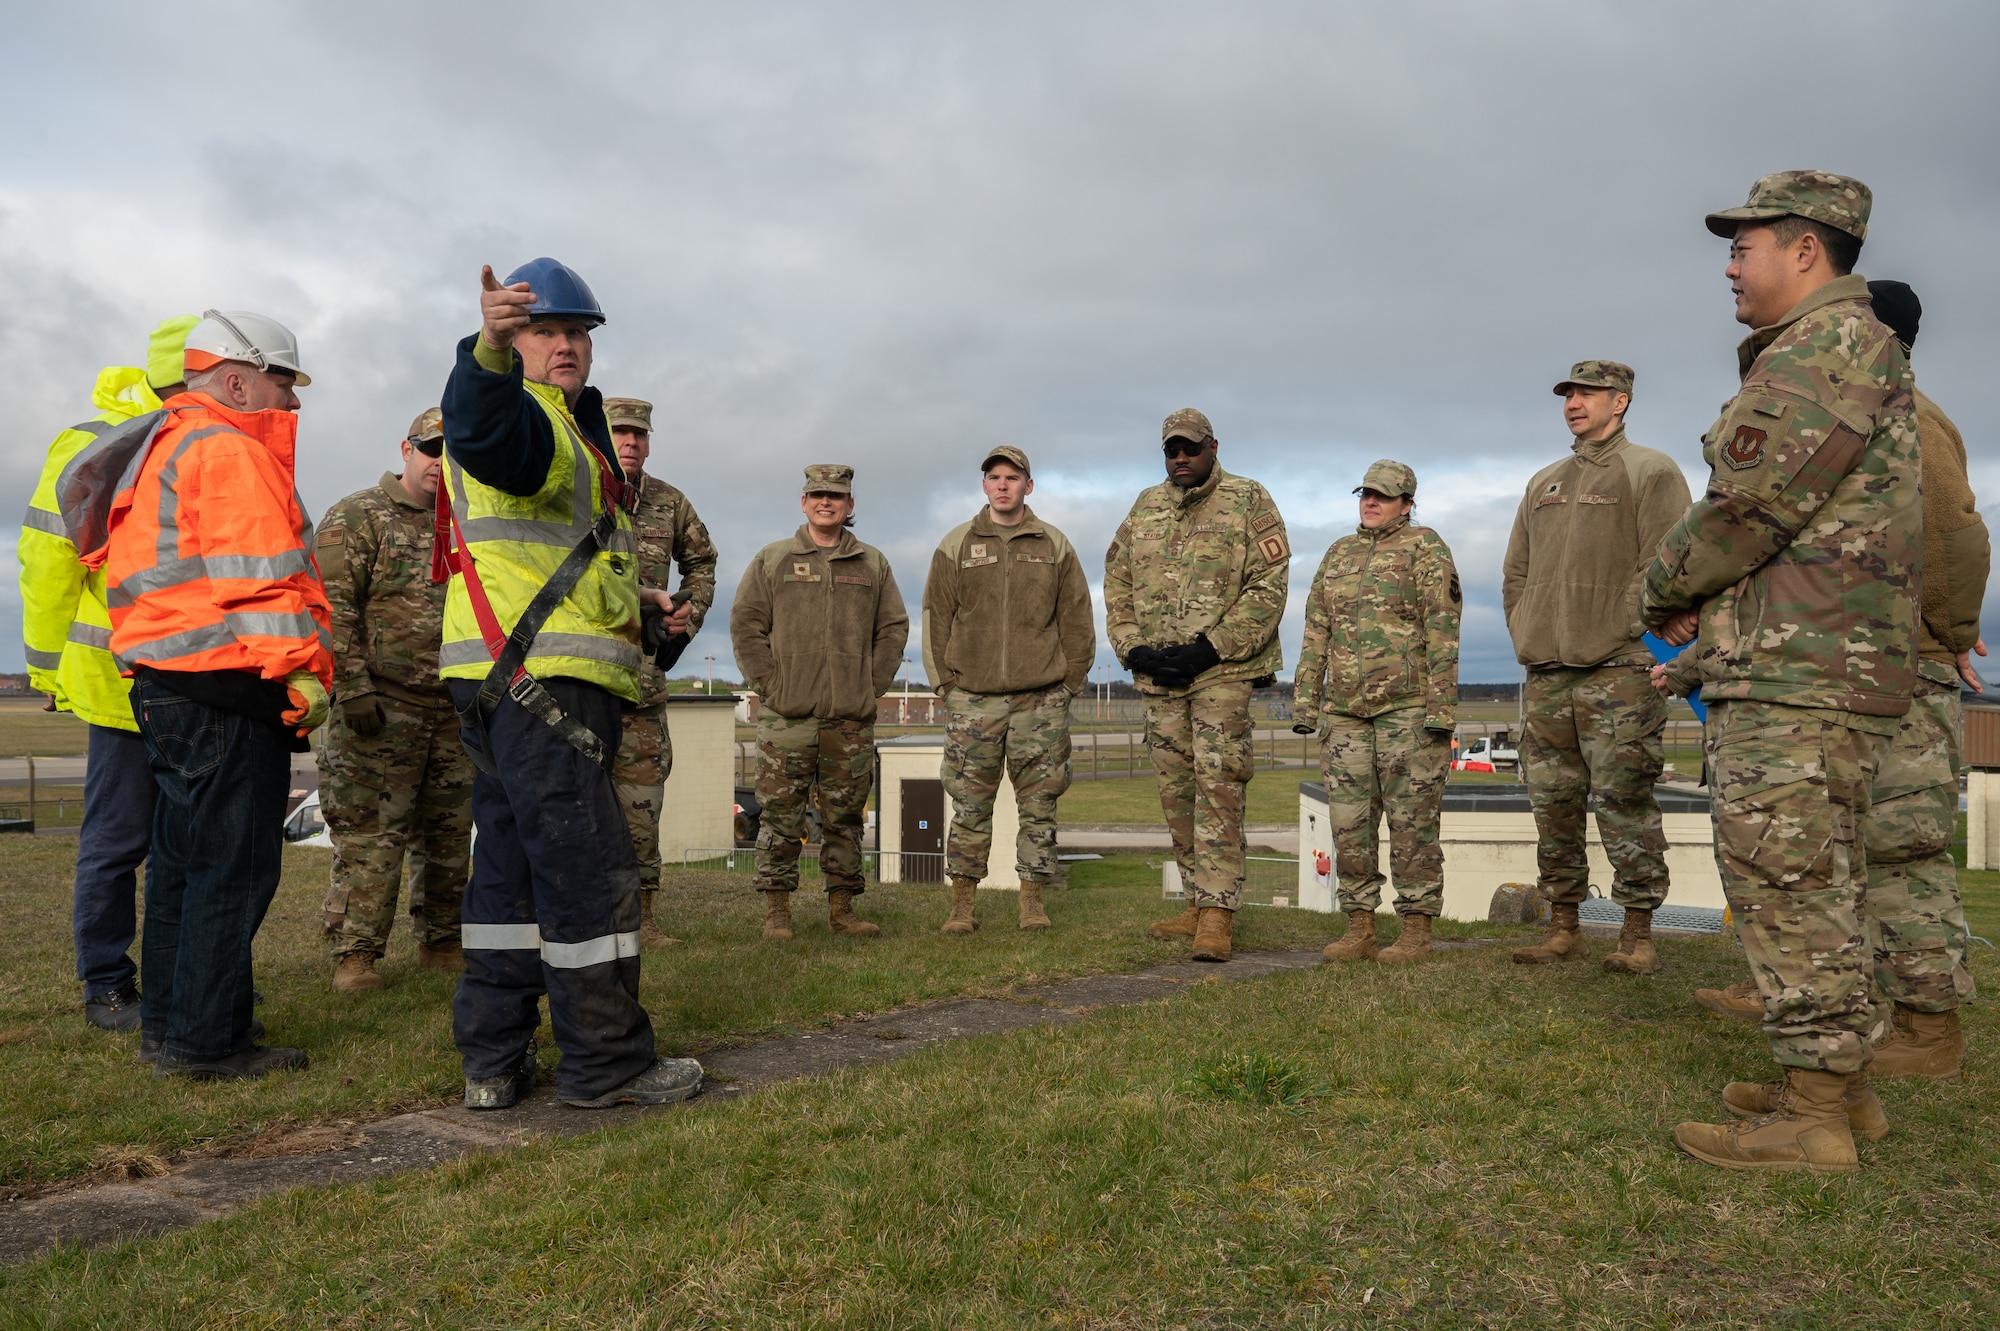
(559, 292)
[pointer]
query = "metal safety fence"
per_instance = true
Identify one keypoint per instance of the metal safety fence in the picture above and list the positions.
(1268, 880)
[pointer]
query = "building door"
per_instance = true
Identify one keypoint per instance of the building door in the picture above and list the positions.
(923, 832)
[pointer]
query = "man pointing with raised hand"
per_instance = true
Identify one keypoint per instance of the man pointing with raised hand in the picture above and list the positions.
(540, 650)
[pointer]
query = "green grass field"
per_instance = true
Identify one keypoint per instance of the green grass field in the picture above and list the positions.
(1463, 1144)
(26, 729)
(73, 1098)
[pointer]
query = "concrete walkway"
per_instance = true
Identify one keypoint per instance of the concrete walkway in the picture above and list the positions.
(96, 1212)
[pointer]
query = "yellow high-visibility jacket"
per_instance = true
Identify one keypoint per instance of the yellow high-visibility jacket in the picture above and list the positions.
(64, 623)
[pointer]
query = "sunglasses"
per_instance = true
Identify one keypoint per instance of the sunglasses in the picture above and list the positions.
(1182, 447)
(430, 448)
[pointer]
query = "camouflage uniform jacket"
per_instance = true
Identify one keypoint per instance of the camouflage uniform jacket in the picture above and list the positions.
(1382, 628)
(819, 632)
(1212, 559)
(1804, 554)
(1007, 609)
(1957, 556)
(374, 553)
(669, 533)
(1587, 528)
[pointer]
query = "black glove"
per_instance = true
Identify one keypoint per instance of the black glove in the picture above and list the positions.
(1143, 660)
(656, 640)
(1190, 659)
(363, 714)
(1303, 729)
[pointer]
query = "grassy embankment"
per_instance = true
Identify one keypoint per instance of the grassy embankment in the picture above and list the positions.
(1466, 1143)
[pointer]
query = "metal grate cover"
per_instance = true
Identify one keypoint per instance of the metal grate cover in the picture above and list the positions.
(1697, 919)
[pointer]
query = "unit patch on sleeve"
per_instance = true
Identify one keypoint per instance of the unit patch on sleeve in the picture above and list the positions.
(1746, 449)
(1264, 522)
(1273, 548)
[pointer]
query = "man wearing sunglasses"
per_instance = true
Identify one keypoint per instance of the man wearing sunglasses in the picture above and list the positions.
(1194, 587)
(395, 784)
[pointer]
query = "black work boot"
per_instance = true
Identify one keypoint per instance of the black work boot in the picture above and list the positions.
(667, 1081)
(246, 1064)
(116, 1011)
(505, 1090)
(149, 1048)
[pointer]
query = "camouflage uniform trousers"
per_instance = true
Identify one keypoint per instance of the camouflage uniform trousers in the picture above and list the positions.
(1386, 762)
(1596, 730)
(1028, 734)
(795, 754)
(1916, 922)
(639, 778)
(1792, 790)
(403, 797)
(1201, 747)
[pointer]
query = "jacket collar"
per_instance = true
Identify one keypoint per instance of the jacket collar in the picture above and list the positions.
(1189, 498)
(586, 418)
(392, 485)
(1852, 287)
(803, 544)
(1600, 451)
(984, 525)
(1393, 527)
(276, 430)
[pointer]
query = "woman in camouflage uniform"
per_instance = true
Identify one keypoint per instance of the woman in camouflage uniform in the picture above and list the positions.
(1378, 678)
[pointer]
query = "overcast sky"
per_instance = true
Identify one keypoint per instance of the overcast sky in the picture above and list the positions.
(895, 235)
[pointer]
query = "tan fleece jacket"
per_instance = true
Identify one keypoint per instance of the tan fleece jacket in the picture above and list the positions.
(1585, 533)
(1007, 609)
(1956, 552)
(819, 632)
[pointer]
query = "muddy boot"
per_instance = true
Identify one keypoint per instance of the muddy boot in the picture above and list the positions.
(777, 914)
(1923, 1044)
(1865, 1116)
(841, 917)
(1413, 944)
(1563, 941)
(964, 895)
(447, 954)
(649, 928)
(1805, 1130)
(1358, 944)
(355, 974)
(1032, 914)
(1635, 954)
(1211, 934)
(1739, 1002)
(1181, 926)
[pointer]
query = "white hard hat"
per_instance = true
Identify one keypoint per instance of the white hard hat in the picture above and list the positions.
(241, 335)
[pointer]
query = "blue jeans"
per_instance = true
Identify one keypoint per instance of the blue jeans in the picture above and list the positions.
(218, 843)
(117, 827)
(553, 905)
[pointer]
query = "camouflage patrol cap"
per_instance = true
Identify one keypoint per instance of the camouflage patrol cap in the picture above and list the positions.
(631, 412)
(1841, 202)
(1187, 423)
(1006, 453)
(1598, 374)
(829, 478)
(428, 425)
(1389, 477)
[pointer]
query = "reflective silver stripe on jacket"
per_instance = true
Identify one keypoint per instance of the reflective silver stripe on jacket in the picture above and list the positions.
(89, 635)
(44, 660)
(193, 568)
(578, 646)
(234, 625)
(40, 519)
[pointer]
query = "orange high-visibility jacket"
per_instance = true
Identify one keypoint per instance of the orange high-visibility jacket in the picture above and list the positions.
(208, 564)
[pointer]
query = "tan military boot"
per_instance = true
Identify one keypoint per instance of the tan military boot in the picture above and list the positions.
(1181, 926)
(1865, 1115)
(1635, 954)
(1923, 1044)
(1739, 1002)
(1806, 1129)
(1358, 944)
(1563, 941)
(1413, 944)
(841, 917)
(355, 974)
(1032, 914)
(1211, 934)
(964, 896)
(650, 934)
(446, 955)
(777, 914)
